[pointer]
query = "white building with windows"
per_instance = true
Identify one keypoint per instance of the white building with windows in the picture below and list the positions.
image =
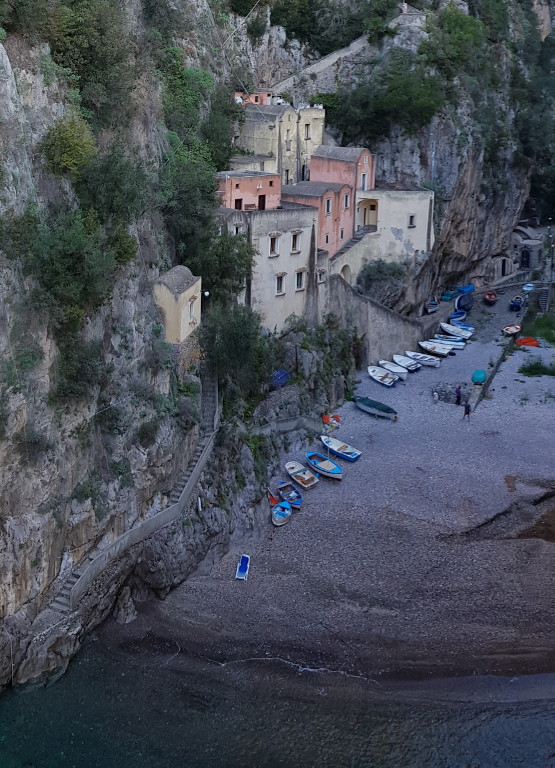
(284, 235)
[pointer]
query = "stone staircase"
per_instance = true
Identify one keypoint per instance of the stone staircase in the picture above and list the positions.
(62, 600)
(543, 298)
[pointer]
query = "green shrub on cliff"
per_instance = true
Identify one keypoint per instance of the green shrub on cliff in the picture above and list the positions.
(68, 146)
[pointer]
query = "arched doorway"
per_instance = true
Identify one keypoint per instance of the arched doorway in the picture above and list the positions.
(346, 273)
(525, 258)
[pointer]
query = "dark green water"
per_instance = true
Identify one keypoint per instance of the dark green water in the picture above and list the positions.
(130, 711)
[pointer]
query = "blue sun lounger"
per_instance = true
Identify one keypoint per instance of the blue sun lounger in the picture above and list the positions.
(243, 568)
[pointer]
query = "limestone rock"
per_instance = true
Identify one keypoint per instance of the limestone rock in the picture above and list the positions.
(124, 609)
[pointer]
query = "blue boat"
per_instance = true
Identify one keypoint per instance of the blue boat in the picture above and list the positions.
(243, 567)
(460, 314)
(323, 465)
(464, 326)
(288, 492)
(281, 510)
(517, 302)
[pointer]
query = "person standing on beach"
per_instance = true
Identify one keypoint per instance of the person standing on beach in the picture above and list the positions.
(466, 411)
(458, 394)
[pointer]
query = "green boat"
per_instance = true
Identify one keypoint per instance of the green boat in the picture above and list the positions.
(375, 408)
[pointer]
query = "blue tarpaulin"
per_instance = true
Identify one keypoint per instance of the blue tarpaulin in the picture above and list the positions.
(279, 378)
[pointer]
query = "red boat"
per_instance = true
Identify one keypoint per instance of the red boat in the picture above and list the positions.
(490, 297)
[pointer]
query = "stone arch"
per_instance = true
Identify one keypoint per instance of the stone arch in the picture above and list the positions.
(346, 273)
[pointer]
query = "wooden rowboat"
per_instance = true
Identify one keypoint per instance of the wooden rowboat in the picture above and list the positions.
(512, 329)
(436, 349)
(382, 376)
(288, 492)
(375, 408)
(411, 365)
(424, 359)
(490, 297)
(323, 465)
(301, 474)
(281, 510)
(341, 449)
(431, 306)
(459, 314)
(397, 370)
(456, 330)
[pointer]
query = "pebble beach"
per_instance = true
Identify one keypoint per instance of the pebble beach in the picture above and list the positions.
(417, 564)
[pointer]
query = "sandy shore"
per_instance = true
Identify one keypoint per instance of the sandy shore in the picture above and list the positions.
(397, 571)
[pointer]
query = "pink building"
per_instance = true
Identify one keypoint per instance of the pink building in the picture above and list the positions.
(355, 166)
(336, 210)
(253, 98)
(249, 190)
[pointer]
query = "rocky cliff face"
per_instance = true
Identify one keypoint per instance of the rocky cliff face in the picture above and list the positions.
(76, 475)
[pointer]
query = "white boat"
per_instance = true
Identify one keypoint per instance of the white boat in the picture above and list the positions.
(450, 339)
(433, 362)
(382, 376)
(301, 474)
(456, 330)
(436, 349)
(465, 326)
(398, 370)
(411, 365)
(454, 343)
(341, 449)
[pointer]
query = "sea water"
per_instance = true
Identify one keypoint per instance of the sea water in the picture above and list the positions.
(136, 710)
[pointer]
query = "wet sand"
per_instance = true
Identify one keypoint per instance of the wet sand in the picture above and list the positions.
(411, 566)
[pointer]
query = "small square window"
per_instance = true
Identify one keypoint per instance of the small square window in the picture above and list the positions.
(295, 243)
(279, 284)
(237, 186)
(321, 275)
(372, 206)
(238, 229)
(271, 183)
(299, 281)
(328, 205)
(341, 234)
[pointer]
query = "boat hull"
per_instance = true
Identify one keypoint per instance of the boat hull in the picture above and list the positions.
(511, 330)
(490, 298)
(397, 370)
(288, 492)
(301, 474)
(434, 349)
(460, 314)
(382, 376)
(428, 360)
(411, 365)
(456, 330)
(323, 465)
(375, 408)
(281, 513)
(452, 341)
(342, 450)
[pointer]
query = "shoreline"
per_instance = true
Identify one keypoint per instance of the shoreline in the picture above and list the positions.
(397, 571)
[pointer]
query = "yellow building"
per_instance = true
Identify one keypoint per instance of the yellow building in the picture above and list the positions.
(178, 294)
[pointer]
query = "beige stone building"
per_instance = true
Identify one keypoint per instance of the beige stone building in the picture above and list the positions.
(280, 139)
(178, 294)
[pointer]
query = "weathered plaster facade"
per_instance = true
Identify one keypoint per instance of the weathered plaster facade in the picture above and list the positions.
(344, 165)
(283, 138)
(178, 294)
(403, 221)
(335, 206)
(249, 190)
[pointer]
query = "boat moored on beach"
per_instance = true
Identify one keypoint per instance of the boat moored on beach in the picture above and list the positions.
(281, 510)
(341, 449)
(301, 474)
(411, 365)
(382, 376)
(435, 349)
(375, 408)
(454, 341)
(490, 298)
(511, 329)
(288, 492)
(429, 360)
(323, 465)
(394, 368)
(456, 330)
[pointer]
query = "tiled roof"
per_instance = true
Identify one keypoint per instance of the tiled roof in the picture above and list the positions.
(311, 188)
(351, 154)
(178, 279)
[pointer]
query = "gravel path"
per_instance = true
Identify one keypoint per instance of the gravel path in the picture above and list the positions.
(378, 575)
